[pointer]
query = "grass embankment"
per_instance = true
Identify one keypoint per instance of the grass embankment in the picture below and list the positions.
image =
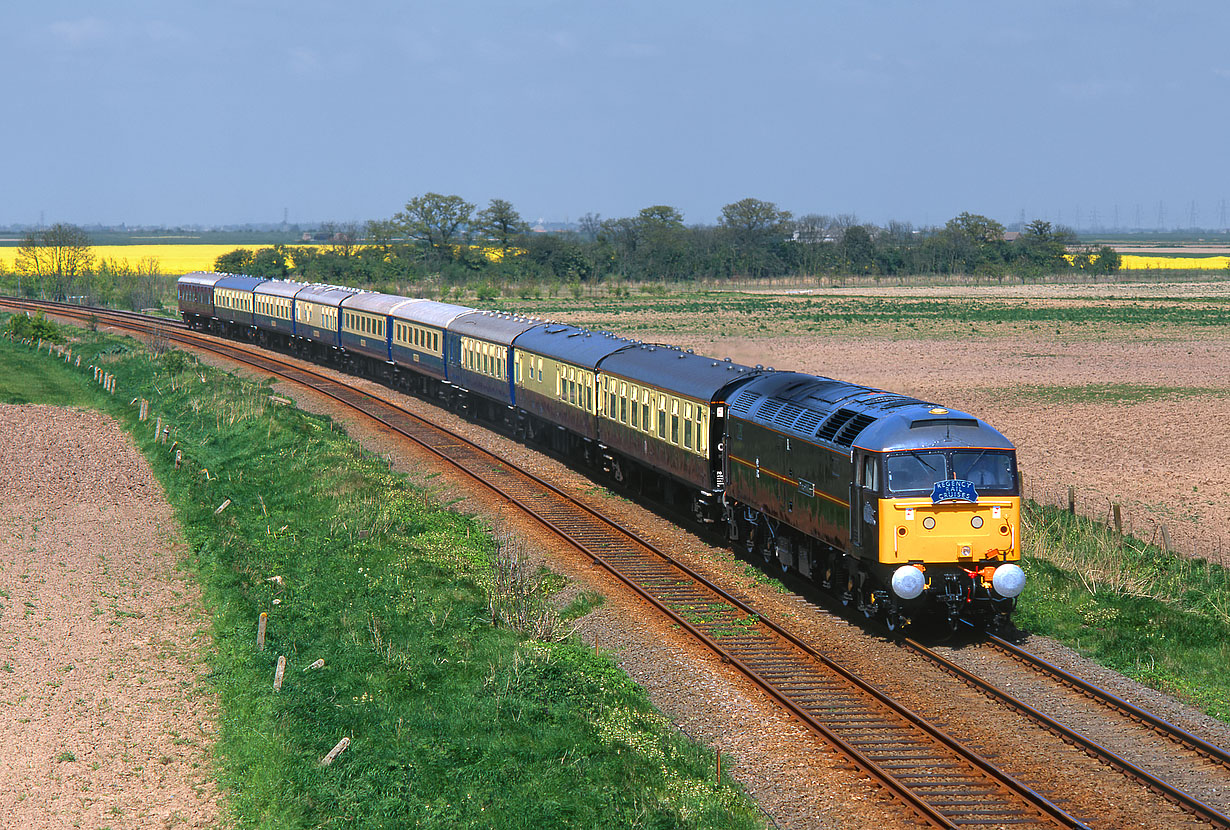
(1153, 616)
(454, 722)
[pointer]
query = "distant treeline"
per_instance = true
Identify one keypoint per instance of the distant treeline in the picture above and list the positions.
(446, 240)
(446, 236)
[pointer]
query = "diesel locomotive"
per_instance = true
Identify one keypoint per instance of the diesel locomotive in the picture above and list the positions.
(904, 509)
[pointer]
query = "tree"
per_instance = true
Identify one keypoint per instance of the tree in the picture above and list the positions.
(56, 258)
(1043, 248)
(754, 228)
(436, 220)
(238, 261)
(977, 227)
(341, 237)
(1107, 260)
(381, 234)
(970, 243)
(661, 243)
(752, 218)
(271, 263)
(857, 249)
(590, 226)
(501, 221)
(147, 271)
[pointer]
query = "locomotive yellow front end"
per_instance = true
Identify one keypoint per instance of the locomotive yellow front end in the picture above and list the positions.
(949, 531)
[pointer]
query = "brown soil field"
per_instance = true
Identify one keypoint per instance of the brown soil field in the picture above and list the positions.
(1130, 408)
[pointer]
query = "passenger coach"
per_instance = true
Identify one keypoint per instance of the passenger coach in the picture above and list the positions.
(555, 369)
(664, 410)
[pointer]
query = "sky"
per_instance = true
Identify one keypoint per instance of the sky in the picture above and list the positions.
(222, 112)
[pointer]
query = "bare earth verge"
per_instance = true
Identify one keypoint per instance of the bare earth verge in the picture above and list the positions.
(104, 718)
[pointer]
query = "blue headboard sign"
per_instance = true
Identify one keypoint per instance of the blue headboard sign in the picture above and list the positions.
(954, 490)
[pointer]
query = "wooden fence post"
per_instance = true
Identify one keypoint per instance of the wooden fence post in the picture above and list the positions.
(336, 751)
(1072, 499)
(1118, 519)
(260, 631)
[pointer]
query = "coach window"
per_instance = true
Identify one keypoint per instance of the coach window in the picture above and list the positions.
(687, 426)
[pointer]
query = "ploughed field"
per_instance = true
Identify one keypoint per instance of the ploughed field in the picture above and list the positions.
(1121, 391)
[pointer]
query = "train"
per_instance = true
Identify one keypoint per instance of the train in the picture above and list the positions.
(906, 510)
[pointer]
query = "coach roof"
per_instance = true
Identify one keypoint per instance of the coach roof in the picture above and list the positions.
(494, 326)
(374, 303)
(331, 295)
(239, 282)
(202, 278)
(432, 313)
(280, 288)
(674, 370)
(577, 346)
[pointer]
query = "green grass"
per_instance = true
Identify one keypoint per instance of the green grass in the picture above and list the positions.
(25, 380)
(1114, 393)
(454, 722)
(1153, 616)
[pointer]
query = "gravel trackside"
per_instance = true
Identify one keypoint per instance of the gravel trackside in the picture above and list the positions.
(104, 717)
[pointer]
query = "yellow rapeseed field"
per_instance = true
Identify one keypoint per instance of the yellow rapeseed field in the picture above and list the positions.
(174, 259)
(1136, 262)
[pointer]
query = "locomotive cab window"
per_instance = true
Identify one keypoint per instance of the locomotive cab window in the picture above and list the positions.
(991, 471)
(871, 473)
(915, 471)
(987, 469)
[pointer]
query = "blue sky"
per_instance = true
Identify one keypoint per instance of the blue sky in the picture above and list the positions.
(191, 112)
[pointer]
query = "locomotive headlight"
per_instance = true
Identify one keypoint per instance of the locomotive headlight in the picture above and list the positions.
(929, 522)
(976, 522)
(908, 582)
(1008, 580)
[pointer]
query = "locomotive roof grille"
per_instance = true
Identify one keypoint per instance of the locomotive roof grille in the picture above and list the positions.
(835, 422)
(789, 414)
(889, 401)
(770, 408)
(847, 434)
(743, 404)
(809, 420)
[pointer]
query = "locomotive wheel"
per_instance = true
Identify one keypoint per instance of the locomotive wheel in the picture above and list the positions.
(847, 596)
(892, 620)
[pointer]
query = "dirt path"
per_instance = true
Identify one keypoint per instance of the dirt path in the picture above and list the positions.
(104, 717)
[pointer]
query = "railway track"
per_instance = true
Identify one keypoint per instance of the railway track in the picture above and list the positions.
(1178, 765)
(945, 783)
